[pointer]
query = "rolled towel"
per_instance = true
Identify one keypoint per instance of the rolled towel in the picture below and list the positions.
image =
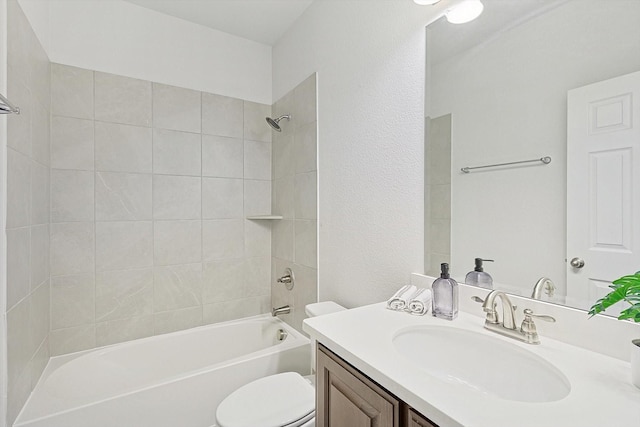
(400, 300)
(420, 302)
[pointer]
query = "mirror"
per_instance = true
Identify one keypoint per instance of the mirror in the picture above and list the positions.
(496, 92)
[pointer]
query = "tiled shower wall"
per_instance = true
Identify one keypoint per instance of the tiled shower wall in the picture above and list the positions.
(150, 187)
(27, 211)
(295, 178)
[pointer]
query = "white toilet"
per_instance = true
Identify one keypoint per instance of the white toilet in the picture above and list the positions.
(281, 400)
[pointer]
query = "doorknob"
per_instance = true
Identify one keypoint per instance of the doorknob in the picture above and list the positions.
(577, 262)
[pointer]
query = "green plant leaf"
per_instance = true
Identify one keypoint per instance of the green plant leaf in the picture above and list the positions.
(626, 288)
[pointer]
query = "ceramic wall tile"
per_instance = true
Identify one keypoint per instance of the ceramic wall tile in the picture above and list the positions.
(306, 243)
(40, 194)
(123, 196)
(257, 276)
(72, 196)
(72, 248)
(282, 240)
(222, 116)
(123, 245)
(71, 92)
(222, 157)
(39, 255)
(177, 287)
(222, 198)
(177, 242)
(70, 340)
(18, 340)
(120, 99)
(304, 102)
(176, 108)
(18, 264)
(123, 148)
(123, 294)
(19, 125)
(306, 195)
(282, 203)
(257, 160)
(18, 189)
(236, 309)
(257, 197)
(176, 153)
(40, 361)
(257, 238)
(72, 301)
(120, 330)
(222, 239)
(40, 133)
(72, 143)
(283, 156)
(177, 197)
(306, 148)
(177, 320)
(255, 125)
(223, 280)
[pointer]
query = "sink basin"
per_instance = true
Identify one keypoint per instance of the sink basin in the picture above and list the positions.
(485, 364)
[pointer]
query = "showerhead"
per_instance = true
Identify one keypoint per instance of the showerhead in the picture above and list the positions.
(274, 122)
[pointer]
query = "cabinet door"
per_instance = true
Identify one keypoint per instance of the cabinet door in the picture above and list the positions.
(346, 398)
(414, 419)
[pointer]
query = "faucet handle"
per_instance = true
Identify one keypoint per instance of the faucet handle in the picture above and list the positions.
(481, 301)
(528, 314)
(529, 327)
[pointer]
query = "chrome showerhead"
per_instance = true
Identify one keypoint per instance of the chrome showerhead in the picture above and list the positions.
(274, 122)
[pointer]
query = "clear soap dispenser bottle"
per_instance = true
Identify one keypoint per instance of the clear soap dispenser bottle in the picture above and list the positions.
(445, 295)
(479, 277)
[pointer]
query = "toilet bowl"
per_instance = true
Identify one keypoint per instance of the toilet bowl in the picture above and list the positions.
(281, 400)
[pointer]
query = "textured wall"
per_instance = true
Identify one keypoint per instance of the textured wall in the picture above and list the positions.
(150, 186)
(369, 57)
(27, 227)
(295, 238)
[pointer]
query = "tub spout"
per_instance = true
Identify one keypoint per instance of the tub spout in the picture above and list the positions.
(285, 309)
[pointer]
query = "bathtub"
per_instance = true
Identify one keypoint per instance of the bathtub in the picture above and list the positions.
(172, 380)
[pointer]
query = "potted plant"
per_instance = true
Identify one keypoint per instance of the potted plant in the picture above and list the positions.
(627, 289)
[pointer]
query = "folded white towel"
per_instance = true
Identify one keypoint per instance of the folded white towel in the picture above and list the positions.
(420, 302)
(400, 299)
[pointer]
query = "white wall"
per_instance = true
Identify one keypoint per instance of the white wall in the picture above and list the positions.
(369, 56)
(125, 39)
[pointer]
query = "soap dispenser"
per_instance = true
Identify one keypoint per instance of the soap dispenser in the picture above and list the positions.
(445, 295)
(479, 277)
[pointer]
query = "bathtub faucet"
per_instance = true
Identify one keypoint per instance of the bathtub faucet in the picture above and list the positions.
(285, 309)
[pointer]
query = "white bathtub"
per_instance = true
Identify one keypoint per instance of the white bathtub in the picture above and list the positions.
(172, 380)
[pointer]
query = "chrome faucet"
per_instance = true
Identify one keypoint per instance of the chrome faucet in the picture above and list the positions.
(285, 309)
(288, 280)
(543, 284)
(527, 331)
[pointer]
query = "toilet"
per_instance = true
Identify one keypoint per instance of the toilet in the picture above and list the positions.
(281, 400)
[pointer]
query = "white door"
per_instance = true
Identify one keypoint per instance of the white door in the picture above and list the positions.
(603, 186)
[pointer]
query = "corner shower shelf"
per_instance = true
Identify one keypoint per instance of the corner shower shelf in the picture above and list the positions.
(260, 217)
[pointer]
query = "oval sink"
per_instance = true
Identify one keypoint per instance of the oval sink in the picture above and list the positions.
(488, 365)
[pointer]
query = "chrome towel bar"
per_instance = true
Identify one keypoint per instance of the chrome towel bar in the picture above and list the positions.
(546, 160)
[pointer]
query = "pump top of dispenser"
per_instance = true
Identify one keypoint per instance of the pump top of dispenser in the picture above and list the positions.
(444, 271)
(478, 277)
(479, 262)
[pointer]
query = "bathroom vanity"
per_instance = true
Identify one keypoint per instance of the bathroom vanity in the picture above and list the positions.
(347, 397)
(377, 367)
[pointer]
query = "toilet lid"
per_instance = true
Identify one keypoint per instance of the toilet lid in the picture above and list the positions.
(273, 401)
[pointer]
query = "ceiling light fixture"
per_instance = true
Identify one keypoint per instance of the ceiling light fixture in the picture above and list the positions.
(464, 12)
(425, 2)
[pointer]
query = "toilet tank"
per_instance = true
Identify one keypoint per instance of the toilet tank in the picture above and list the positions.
(320, 309)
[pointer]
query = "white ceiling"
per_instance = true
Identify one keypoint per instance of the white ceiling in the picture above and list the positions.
(263, 21)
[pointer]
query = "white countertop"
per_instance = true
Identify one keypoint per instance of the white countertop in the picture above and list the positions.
(601, 390)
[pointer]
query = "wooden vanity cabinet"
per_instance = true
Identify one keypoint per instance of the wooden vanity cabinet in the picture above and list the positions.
(347, 398)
